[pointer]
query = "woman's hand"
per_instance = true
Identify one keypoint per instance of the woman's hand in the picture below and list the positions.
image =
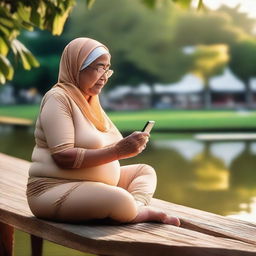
(131, 145)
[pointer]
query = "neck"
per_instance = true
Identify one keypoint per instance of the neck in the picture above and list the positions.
(87, 97)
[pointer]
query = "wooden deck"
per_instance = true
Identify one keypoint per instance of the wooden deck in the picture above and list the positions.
(226, 136)
(201, 233)
(15, 121)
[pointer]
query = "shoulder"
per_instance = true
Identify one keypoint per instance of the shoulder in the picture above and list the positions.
(58, 97)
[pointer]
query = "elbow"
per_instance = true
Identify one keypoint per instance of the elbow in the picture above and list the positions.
(65, 159)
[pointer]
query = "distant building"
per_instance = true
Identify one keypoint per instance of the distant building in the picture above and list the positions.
(227, 91)
(187, 93)
(129, 98)
(253, 89)
(7, 95)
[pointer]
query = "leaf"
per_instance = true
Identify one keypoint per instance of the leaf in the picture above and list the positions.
(5, 30)
(27, 58)
(4, 47)
(2, 78)
(6, 67)
(150, 3)
(183, 3)
(31, 59)
(90, 3)
(24, 12)
(58, 24)
(6, 22)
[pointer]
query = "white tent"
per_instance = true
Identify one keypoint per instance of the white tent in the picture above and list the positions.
(119, 91)
(227, 82)
(253, 84)
(188, 84)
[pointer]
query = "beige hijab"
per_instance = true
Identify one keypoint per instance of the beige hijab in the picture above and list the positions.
(73, 56)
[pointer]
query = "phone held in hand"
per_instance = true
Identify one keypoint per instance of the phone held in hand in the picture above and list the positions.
(148, 126)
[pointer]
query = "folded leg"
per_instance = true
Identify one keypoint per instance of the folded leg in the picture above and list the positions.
(81, 201)
(139, 180)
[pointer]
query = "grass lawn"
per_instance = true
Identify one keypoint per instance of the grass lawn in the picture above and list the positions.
(165, 119)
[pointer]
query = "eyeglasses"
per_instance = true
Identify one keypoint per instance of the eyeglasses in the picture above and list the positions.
(102, 71)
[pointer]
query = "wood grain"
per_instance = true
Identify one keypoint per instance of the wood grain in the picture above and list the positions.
(201, 233)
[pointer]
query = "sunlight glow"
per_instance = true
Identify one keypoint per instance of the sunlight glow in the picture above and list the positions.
(244, 214)
(246, 6)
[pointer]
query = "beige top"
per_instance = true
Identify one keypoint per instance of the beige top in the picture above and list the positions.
(60, 126)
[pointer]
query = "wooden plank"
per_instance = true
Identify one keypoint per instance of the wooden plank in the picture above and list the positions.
(225, 136)
(201, 233)
(15, 121)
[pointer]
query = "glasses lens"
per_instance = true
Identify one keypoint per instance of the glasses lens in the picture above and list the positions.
(109, 73)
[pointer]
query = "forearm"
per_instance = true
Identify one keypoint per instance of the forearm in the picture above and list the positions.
(128, 147)
(84, 158)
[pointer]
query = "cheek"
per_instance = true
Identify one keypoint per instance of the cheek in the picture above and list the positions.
(85, 82)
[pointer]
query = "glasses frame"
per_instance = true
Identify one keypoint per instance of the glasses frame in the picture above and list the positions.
(108, 72)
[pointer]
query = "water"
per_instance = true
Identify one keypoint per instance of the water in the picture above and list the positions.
(217, 176)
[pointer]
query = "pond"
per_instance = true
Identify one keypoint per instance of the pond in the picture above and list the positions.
(215, 176)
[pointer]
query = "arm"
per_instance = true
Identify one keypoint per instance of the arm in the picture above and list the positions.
(57, 123)
(85, 158)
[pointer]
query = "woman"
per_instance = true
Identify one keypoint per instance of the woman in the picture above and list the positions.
(75, 174)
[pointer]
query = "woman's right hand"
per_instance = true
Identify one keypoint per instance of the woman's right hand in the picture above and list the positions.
(131, 145)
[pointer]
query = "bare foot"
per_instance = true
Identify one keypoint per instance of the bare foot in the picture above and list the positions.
(147, 213)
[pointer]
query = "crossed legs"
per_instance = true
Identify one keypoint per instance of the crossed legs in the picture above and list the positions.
(81, 201)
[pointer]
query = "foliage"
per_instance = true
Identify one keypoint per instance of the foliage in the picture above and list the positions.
(243, 59)
(46, 75)
(18, 15)
(141, 42)
(209, 28)
(210, 60)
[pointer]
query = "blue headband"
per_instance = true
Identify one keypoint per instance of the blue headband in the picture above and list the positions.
(96, 53)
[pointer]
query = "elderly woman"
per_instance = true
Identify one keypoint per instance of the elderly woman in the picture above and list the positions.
(75, 173)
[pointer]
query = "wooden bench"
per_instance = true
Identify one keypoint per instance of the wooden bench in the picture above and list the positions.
(201, 233)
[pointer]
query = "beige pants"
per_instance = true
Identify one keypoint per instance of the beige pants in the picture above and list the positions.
(76, 201)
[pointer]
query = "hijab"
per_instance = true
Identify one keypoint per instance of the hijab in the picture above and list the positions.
(74, 59)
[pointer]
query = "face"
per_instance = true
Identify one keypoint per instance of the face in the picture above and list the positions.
(90, 81)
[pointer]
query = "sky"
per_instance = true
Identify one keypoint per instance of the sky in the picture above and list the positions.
(248, 6)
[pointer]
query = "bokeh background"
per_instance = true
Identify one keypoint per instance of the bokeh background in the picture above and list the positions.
(192, 71)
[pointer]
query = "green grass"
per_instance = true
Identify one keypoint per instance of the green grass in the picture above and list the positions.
(193, 119)
(21, 111)
(165, 119)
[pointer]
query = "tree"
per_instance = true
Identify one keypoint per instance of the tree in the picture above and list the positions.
(209, 61)
(23, 14)
(17, 15)
(43, 77)
(242, 63)
(140, 40)
(211, 28)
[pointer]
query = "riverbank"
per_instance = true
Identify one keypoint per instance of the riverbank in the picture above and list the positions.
(166, 120)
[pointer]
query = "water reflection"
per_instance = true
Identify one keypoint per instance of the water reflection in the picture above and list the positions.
(219, 177)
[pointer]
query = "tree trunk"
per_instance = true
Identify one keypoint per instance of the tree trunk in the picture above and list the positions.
(248, 95)
(207, 96)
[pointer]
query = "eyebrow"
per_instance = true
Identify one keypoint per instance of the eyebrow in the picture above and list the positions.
(102, 64)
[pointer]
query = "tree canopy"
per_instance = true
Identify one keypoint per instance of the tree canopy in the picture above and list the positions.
(18, 15)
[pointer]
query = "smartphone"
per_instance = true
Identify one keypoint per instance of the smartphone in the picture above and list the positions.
(148, 126)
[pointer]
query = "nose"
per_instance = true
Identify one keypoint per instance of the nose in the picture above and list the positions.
(104, 76)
